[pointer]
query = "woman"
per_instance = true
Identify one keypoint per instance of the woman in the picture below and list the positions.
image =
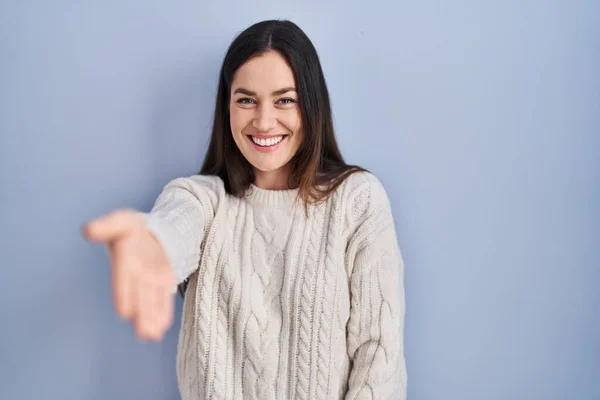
(294, 276)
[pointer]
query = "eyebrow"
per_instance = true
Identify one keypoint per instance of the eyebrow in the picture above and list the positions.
(278, 92)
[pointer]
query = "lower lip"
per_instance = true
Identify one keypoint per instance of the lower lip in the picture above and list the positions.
(267, 149)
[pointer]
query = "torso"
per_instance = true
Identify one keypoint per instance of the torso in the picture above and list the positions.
(265, 314)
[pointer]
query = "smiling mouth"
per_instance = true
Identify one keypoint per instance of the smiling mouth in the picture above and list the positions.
(267, 142)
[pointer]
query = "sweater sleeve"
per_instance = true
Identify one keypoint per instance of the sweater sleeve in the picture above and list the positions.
(180, 218)
(375, 330)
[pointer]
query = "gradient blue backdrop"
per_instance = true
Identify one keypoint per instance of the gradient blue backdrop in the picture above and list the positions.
(482, 119)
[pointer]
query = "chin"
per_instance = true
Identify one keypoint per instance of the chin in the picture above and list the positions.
(267, 166)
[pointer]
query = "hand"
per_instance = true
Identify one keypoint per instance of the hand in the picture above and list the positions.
(142, 277)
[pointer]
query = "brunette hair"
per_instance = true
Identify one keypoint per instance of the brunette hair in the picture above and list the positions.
(318, 167)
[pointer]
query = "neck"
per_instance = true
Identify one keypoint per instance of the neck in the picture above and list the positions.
(272, 180)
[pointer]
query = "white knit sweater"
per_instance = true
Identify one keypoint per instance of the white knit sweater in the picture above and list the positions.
(281, 305)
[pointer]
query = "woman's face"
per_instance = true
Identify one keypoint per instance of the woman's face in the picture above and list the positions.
(265, 115)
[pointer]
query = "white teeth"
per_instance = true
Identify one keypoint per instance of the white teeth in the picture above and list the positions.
(267, 142)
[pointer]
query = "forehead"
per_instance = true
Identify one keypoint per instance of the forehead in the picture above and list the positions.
(265, 73)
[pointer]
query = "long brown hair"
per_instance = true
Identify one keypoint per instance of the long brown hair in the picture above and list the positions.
(318, 167)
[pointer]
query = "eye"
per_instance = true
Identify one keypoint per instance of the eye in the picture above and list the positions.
(286, 100)
(245, 100)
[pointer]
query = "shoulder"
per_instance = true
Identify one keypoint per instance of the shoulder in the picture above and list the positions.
(364, 180)
(363, 191)
(205, 182)
(208, 189)
(363, 201)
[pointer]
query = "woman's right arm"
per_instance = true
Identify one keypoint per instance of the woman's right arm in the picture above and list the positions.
(178, 220)
(150, 253)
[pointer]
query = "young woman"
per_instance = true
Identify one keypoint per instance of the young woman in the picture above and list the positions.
(294, 278)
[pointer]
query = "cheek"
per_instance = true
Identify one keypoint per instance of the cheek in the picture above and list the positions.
(293, 122)
(236, 120)
(298, 129)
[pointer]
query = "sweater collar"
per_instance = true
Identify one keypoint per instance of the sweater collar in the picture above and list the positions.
(274, 198)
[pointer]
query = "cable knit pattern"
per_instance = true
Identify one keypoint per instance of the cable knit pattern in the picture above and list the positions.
(326, 301)
(283, 304)
(306, 312)
(223, 284)
(262, 337)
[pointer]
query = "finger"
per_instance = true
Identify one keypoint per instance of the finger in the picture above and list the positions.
(122, 282)
(138, 318)
(170, 307)
(146, 326)
(166, 297)
(111, 226)
(163, 309)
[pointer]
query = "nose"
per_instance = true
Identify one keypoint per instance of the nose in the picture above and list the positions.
(265, 118)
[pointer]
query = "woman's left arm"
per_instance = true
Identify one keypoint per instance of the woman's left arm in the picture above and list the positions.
(375, 330)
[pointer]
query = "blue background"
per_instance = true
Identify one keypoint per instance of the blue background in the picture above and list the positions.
(482, 119)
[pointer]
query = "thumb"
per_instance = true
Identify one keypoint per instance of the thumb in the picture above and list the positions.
(111, 226)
